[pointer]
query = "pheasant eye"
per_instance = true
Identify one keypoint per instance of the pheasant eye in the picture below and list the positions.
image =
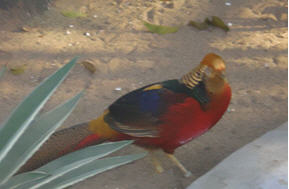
(208, 71)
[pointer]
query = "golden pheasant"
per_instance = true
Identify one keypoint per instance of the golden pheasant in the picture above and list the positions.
(162, 115)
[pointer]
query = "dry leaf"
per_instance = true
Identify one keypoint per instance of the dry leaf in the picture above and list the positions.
(17, 70)
(25, 29)
(89, 66)
(214, 21)
(218, 22)
(28, 29)
(73, 14)
(199, 25)
(160, 29)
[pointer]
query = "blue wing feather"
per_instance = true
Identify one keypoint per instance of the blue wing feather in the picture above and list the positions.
(139, 113)
(149, 102)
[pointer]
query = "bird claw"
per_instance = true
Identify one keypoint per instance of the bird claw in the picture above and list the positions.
(159, 169)
(182, 168)
(188, 174)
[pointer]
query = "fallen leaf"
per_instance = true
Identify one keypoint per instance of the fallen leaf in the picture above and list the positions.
(160, 29)
(17, 70)
(218, 22)
(199, 25)
(73, 14)
(89, 66)
(26, 29)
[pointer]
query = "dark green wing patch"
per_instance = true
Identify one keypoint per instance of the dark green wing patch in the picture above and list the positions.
(199, 92)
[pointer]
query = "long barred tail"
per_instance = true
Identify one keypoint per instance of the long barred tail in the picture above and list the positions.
(60, 143)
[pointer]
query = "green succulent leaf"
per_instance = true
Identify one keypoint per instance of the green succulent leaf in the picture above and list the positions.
(24, 178)
(23, 115)
(89, 170)
(35, 135)
(23, 133)
(74, 160)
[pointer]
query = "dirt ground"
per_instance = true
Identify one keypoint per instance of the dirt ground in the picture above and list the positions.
(128, 57)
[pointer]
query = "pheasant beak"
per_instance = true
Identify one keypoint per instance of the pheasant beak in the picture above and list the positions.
(221, 74)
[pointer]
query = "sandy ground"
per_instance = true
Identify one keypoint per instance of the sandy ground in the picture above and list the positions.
(126, 56)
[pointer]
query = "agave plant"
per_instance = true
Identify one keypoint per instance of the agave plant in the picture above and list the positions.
(22, 134)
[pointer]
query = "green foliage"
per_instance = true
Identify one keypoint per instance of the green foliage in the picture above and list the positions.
(20, 119)
(35, 135)
(160, 29)
(25, 131)
(90, 169)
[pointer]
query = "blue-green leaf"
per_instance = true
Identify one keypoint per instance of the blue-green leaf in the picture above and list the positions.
(74, 160)
(35, 135)
(24, 178)
(23, 115)
(89, 170)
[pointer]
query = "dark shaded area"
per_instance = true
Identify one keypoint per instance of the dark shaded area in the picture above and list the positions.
(31, 6)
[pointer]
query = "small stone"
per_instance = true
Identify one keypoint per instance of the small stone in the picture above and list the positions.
(230, 110)
(67, 32)
(87, 34)
(230, 24)
(228, 4)
(118, 89)
(280, 60)
(89, 65)
(266, 65)
(70, 44)
(95, 16)
(71, 26)
(284, 17)
(150, 14)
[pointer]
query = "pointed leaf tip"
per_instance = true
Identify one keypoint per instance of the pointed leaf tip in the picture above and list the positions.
(35, 135)
(19, 120)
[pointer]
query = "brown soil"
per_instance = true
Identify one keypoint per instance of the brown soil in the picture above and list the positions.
(127, 56)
